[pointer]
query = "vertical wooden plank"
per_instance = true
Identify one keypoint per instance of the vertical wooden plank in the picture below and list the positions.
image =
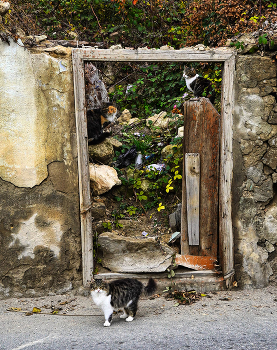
(201, 135)
(226, 245)
(185, 249)
(83, 167)
(192, 173)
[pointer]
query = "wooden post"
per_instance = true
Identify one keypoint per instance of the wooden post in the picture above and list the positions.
(201, 136)
(226, 240)
(83, 169)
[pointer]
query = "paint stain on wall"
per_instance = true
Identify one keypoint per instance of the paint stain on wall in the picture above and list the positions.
(38, 232)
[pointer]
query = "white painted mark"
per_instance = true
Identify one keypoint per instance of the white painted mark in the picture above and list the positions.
(24, 346)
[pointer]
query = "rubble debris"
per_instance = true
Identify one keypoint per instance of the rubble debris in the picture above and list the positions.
(102, 178)
(126, 159)
(139, 161)
(125, 117)
(129, 254)
(174, 237)
(102, 152)
(4, 7)
(175, 219)
(76, 43)
(157, 167)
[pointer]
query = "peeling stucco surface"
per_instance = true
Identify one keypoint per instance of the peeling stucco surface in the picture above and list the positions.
(20, 162)
(34, 95)
(40, 243)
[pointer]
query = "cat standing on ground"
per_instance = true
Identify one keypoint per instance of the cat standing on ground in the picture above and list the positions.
(120, 294)
(198, 85)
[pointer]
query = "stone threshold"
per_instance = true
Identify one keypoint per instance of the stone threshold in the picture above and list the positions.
(204, 281)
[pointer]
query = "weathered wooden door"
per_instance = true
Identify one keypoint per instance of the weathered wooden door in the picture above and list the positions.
(200, 205)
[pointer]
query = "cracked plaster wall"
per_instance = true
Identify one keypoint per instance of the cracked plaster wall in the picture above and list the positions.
(40, 246)
(255, 177)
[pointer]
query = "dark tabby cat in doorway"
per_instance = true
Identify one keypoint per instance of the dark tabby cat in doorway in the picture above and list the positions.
(198, 85)
(97, 120)
(120, 294)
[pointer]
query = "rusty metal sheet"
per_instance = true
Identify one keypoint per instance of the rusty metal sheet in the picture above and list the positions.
(196, 262)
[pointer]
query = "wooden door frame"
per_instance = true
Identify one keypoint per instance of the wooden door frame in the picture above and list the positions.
(227, 56)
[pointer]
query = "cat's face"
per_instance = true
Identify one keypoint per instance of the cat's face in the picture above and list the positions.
(110, 113)
(98, 286)
(111, 110)
(188, 72)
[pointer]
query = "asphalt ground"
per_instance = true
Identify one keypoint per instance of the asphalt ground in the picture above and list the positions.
(224, 320)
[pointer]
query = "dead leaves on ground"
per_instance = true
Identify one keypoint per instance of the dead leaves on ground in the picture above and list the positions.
(186, 298)
(55, 309)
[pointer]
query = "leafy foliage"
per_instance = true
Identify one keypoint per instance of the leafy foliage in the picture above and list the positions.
(158, 87)
(137, 23)
(149, 186)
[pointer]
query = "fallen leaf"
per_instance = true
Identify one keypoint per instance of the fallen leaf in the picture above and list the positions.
(28, 313)
(16, 309)
(177, 304)
(64, 303)
(55, 312)
(36, 310)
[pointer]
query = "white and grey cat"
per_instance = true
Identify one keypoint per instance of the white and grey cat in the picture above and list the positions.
(120, 294)
(198, 85)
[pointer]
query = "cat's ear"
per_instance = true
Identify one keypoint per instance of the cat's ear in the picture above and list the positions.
(184, 71)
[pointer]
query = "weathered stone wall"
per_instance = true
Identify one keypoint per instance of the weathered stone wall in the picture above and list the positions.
(40, 246)
(255, 177)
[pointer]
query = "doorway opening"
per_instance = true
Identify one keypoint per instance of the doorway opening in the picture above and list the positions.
(227, 57)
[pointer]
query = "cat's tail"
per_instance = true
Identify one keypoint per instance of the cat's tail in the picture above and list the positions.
(151, 287)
